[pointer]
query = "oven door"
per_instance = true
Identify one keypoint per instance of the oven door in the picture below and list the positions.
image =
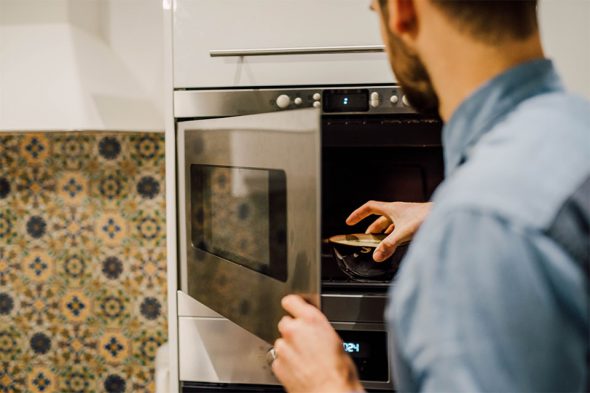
(249, 189)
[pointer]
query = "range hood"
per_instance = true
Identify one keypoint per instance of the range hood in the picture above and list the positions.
(60, 69)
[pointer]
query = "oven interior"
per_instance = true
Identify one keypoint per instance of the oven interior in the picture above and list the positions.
(385, 158)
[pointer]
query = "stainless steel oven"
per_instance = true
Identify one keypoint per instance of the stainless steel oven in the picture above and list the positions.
(266, 176)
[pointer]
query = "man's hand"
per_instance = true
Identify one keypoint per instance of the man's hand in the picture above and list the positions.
(309, 355)
(400, 220)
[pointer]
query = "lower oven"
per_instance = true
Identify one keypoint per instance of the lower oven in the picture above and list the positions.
(266, 178)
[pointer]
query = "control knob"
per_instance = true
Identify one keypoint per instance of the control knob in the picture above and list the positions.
(283, 101)
(405, 101)
(374, 99)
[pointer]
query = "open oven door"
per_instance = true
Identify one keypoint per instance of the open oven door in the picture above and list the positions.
(249, 213)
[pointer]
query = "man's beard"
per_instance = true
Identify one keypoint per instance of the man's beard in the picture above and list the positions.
(412, 76)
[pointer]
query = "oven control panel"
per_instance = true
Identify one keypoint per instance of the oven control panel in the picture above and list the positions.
(346, 100)
(378, 100)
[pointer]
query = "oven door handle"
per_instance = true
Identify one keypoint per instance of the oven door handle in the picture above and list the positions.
(322, 50)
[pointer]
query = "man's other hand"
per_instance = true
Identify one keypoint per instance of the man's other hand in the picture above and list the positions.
(309, 355)
(399, 220)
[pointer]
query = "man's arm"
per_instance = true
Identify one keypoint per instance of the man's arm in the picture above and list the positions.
(474, 308)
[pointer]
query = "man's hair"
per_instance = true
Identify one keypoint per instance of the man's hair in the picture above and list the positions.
(490, 21)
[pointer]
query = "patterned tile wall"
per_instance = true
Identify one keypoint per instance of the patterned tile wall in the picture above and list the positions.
(82, 261)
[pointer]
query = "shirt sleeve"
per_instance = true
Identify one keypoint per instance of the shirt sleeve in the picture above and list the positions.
(473, 310)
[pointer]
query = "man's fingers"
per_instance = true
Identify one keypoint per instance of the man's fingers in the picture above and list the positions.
(387, 247)
(299, 308)
(283, 358)
(285, 326)
(379, 225)
(282, 349)
(371, 207)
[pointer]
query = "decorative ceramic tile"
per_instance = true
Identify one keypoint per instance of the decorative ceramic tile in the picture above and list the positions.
(82, 261)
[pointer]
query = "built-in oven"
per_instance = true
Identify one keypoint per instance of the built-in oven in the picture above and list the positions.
(266, 178)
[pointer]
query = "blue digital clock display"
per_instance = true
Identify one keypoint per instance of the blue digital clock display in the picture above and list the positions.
(348, 100)
(351, 347)
(368, 351)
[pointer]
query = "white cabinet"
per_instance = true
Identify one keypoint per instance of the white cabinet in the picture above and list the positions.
(205, 26)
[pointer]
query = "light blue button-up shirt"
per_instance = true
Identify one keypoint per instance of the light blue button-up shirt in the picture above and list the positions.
(494, 292)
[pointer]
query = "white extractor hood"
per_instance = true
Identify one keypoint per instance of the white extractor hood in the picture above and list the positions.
(65, 64)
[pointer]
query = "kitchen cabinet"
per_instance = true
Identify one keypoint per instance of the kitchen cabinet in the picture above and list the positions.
(203, 28)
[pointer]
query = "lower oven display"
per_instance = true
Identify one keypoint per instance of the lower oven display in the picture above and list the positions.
(368, 350)
(355, 348)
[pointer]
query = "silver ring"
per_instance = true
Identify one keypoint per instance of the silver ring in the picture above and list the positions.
(271, 356)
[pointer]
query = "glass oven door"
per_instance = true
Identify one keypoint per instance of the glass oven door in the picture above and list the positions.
(249, 209)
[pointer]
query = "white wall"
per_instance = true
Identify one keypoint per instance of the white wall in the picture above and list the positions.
(565, 29)
(81, 64)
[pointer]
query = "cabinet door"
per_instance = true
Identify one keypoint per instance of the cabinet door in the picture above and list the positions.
(249, 189)
(343, 36)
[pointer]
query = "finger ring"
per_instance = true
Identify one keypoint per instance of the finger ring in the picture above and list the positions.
(271, 356)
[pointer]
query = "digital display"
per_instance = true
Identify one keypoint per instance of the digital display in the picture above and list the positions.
(356, 348)
(352, 347)
(346, 100)
(368, 350)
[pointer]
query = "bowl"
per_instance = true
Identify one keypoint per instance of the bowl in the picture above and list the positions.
(354, 254)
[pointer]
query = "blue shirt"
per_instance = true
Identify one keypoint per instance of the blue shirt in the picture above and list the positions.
(494, 292)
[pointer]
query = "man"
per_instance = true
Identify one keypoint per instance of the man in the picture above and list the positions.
(493, 294)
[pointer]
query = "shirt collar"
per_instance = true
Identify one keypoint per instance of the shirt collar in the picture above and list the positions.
(490, 103)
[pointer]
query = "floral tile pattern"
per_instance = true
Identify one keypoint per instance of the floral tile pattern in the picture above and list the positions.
(82, 261)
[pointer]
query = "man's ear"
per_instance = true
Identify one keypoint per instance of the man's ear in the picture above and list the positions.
(402, 18)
